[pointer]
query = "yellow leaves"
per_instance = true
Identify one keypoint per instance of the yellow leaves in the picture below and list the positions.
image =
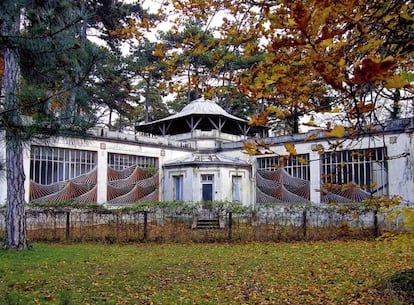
(363, 107)
(326, 43)
(159, 51)
(312, 136)
(388, 18)
(279, 113)
(292, 22)
(290, 148)
(134, 28)
(301, 161)
(319, 148)
(336, 110)
(251, 148)
(260, 119)
(355, 216)
(383, 201)
(331, 73)
(395, 81)
(321, 42)
(258, 147)
(251, 48)
(337, 132)
(162, 86)
(408, 214)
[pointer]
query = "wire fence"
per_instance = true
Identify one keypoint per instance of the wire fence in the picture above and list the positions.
(277, 223)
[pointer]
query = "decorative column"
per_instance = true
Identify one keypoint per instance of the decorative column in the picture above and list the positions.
(26, 167)
(315, 176)
(102, 175)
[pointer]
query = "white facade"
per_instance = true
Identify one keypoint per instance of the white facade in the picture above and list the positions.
(208, 177)
(210, 165)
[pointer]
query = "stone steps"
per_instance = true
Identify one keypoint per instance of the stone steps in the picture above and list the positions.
(206, 224)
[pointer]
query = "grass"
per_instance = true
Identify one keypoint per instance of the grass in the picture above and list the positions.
(342, 272)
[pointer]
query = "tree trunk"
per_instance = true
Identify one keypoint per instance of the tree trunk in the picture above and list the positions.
(147, 99)
(16, 205)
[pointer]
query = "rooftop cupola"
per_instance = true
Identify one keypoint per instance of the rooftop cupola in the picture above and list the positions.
(202, 115)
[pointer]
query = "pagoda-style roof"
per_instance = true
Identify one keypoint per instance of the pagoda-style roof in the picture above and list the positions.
(199, 114)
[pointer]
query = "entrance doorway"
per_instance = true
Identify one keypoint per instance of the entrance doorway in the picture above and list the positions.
(207, 181)
(207, 192)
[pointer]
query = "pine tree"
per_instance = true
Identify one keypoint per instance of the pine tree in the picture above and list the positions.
(12, 123)
(47, 59)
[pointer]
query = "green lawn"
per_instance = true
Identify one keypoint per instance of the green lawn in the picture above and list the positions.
(353, 272)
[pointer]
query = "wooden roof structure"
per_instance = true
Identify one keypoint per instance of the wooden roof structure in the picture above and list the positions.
(203, 115)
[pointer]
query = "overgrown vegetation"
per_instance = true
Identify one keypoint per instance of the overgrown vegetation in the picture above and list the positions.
(403, 284)
(356, 272)
(175, 222)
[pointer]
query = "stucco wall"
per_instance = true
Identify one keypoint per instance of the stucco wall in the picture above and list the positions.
(222, 183)
(401, 165)
(400, 152)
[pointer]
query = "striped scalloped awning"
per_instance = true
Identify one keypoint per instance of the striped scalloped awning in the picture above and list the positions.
(279, 186)
(345, 194)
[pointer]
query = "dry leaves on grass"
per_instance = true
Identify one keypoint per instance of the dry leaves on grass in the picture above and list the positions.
(268, 273)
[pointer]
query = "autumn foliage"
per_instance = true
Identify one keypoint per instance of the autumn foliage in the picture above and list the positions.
(313, 49)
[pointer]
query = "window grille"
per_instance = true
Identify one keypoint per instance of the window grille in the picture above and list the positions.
(207, 178)
(49, 165)
(364, 167)
(296, 166)
(122, 161)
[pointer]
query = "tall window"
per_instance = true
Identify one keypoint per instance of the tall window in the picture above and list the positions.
(121, 161)
(207, 187)
(49, 165)
(364, 167)
(178, 188)
(236, 188)
(296, 166)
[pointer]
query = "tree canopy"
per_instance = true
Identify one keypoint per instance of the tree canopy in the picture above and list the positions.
(317, 55)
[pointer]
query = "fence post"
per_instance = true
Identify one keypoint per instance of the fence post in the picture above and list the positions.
(145, 225)
(67, 228)
(230, 236)
(376, 223)
(117, 226)
(304, 223)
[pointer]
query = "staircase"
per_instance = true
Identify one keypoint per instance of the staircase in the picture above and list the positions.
(206, 224)
(207, 219)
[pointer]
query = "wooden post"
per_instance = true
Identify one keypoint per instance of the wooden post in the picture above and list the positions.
(145, 225)
(117, 226)
(230, 236)
(67, 229)
(376, 223)
(304, 223)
